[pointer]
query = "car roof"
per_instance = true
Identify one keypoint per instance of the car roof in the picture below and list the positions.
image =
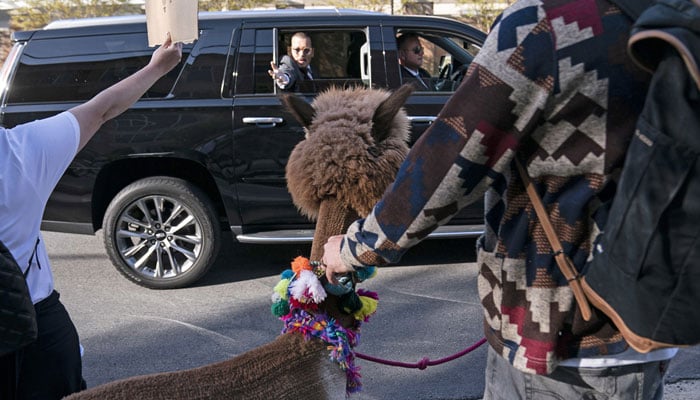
(204, 15)
(328, 15)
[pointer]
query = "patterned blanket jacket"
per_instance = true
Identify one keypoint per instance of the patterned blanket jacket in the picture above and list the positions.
(554, 87)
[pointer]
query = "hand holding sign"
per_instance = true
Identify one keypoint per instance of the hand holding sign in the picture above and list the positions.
(177, 17)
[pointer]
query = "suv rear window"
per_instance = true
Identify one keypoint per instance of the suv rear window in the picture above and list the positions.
(76, 68)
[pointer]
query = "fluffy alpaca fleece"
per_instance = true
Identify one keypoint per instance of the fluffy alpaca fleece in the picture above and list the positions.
(288, 368)
(350, 153)
(355, 142)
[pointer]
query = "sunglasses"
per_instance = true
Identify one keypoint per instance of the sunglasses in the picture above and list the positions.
(417, 50)
(306, 50)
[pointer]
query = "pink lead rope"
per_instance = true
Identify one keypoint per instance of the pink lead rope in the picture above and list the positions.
(425, 362)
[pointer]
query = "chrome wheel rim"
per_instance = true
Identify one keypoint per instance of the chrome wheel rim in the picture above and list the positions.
(158, 237)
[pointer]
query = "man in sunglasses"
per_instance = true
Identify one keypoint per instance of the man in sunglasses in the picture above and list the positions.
(411, 60)
(295, 67)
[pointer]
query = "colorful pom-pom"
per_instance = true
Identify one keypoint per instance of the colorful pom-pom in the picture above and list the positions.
(281, 288)
(287, 274)
(280, 308)
(369, 307)
(367, 293)
(306, 287)
(365, 273)
(301, 264)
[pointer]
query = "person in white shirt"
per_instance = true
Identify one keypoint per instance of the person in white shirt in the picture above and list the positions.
(33, 157)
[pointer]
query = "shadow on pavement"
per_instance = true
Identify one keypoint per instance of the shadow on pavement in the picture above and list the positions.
(240, 262)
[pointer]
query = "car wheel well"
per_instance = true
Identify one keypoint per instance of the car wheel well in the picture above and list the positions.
(119, 174)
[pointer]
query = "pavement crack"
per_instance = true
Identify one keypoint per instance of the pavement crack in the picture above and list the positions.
(196, 328)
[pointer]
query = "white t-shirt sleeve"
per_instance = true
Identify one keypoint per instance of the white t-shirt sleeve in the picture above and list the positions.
(48, 146)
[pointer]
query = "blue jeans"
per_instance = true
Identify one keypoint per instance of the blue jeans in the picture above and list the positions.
(630, 382)
(50, 367)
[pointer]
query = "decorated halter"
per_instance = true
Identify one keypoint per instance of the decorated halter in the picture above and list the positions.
(296, 299)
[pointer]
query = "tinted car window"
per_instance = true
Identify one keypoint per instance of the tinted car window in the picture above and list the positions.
(204, 73)
(446, 57)
(263, 55)
(77, 68)
(338, 58)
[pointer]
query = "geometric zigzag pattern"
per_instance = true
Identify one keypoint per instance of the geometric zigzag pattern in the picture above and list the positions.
(553, 86)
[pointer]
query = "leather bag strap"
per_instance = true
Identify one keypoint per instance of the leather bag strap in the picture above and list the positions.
(566, 266)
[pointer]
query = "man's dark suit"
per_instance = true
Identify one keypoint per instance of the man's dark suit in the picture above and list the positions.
(296, 76)
(422, 83)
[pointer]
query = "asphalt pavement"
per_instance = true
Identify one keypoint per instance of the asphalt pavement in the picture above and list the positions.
(428, 307)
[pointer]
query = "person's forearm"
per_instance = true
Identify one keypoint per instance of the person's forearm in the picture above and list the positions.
(119, 97)
(122, 95)
(113, 101)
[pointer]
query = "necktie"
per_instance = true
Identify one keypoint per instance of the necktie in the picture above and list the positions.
(417, 75)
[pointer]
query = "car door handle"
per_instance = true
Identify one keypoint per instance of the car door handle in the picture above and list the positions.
(263, 121)
(421, 120)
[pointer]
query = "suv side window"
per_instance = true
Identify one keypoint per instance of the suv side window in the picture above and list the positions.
(337, 58)
(340, 59)
(76, 68)
(204, 69)
(446, 58)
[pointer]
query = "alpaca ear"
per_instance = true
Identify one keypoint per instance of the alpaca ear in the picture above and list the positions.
(385, 113)
(302, 111)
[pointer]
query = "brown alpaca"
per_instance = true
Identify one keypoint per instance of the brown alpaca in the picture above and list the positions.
(355, 142)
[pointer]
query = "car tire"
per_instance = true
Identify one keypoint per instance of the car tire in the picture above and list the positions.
(162, 233)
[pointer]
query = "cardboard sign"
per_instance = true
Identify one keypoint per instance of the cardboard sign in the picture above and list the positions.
(179, 17)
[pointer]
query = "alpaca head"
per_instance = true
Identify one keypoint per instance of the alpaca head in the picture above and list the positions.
(356, 139)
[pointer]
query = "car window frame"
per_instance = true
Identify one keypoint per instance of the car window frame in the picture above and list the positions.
(321, 82)
(429, 34)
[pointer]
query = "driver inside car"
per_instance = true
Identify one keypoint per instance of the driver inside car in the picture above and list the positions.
(411, 61)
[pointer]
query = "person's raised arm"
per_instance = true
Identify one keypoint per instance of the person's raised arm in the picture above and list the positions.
(119, 97)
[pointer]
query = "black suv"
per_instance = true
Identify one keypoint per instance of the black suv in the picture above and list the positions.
(205, 149)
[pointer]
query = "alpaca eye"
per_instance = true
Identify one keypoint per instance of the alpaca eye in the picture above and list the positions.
(373, 151)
